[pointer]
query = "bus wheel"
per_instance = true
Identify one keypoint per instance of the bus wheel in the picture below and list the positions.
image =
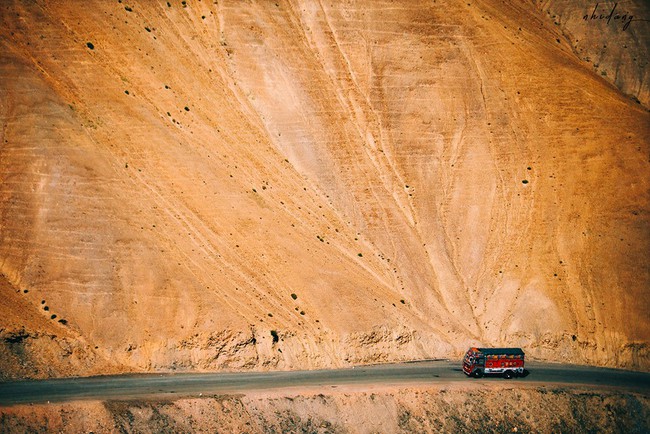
(478, 373)
(507, 375)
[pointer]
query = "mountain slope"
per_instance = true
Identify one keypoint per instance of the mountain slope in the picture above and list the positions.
(210, 186)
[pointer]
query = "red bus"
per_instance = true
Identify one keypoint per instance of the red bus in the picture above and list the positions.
(508, 362)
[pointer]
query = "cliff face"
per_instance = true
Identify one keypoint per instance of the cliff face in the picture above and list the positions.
(302, 184)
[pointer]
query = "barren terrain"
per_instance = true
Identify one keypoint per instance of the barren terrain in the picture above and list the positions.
(278, 185)
(452, 408)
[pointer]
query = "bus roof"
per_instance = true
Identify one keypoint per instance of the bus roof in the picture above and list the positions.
(500, 351)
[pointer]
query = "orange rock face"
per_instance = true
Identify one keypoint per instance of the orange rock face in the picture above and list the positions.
(296, 185)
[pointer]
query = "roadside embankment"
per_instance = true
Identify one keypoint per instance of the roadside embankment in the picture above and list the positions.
(388, 409)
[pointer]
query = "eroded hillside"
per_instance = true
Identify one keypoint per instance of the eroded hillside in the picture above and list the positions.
(220, 185)
(610, 37)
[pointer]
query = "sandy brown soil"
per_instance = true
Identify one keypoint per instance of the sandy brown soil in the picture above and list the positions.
(458, 409)
(296, 184)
